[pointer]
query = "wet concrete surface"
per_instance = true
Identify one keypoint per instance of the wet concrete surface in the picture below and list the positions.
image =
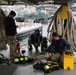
(27, 69)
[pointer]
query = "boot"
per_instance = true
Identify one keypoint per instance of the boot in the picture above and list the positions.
(14, 54)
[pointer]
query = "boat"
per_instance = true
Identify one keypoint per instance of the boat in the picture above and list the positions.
(26, 26)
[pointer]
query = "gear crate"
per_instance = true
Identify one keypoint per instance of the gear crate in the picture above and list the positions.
(68, 61)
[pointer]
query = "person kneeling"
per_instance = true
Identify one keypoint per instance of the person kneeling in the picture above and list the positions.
(35, 39)
(58, 46)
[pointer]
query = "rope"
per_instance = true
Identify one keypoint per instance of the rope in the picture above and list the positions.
(2, 31)
(66, 28)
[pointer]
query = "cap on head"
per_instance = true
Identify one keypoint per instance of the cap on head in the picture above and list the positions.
(55, 34)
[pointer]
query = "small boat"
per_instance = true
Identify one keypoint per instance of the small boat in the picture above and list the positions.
(26, 27)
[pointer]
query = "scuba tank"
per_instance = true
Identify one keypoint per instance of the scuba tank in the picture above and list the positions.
(21, 60)
(46, 66)
(3, 59)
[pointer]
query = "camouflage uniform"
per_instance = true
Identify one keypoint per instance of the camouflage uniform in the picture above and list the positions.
(12, 44)
(10, 31)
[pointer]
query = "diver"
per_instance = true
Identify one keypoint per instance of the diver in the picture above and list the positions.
(58, 46)
(35, 39)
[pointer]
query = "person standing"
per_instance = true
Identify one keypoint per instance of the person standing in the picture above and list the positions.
(2, 31)
(10, 31)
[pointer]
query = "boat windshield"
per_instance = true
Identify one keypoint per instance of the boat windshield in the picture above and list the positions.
(19, 19)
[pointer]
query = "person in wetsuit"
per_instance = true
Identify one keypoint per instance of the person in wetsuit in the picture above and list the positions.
(35, 39)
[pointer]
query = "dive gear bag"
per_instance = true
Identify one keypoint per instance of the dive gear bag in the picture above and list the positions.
(46, 67)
